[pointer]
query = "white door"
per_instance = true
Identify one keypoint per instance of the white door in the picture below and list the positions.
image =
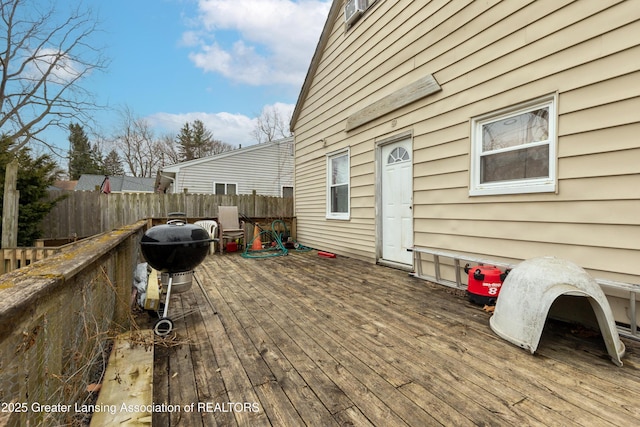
(397, 202)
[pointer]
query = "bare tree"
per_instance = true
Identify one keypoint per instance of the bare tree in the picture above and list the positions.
(221, 147)
(271, 125)
(45, 55)
(168, 149)
(141, 152)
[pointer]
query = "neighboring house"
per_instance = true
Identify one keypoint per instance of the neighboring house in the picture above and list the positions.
(64, 185)
(266, 168)
(118, 184)
(501, 129)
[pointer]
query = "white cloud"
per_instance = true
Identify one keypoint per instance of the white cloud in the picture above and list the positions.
(65, 70)
(241, 63)
(233, 129)
(190, 39)
(284, 110)
(273, 42)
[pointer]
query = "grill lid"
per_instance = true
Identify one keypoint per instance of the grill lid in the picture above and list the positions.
(175, 247)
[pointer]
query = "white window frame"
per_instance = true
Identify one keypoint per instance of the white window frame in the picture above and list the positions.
(226, 185)
(516, 186)
(330, 157)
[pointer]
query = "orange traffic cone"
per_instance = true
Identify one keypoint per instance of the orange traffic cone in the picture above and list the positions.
(257, 243)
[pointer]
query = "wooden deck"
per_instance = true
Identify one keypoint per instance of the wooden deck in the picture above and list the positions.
(303, 340)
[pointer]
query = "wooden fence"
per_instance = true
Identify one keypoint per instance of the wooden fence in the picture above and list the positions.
(85, 213)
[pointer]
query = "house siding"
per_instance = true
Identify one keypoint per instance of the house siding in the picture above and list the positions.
(265, 169)
(485, 56)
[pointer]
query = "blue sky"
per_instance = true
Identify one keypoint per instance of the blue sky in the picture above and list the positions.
(219, 61)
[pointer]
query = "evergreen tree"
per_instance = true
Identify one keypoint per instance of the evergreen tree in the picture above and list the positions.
(112, 164)
(83, 159)
(195, 141)
(202, 139)
(185, 146)
(35, 175)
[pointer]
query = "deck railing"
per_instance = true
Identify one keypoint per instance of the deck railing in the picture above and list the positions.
(56, 317)
(15, 258)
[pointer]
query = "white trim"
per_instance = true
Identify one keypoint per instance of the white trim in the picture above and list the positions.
(329, 157)
(519, 186)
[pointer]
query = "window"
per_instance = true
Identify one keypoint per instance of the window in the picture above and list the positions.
(287, 191)
(338, 185)
(398, 155)
(224, 188)
(513, 150)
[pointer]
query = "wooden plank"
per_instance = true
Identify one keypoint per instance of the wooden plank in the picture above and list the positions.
(412, 92)
(161, 384)
(153, 291)
(415, 416)
(210, 385)
(352, 416)
(467, 376)
(255, 367)
(128, 381)
(277, 349)
(280, 409)
(237, 383)
(379, 400)
(499, 360)
(182, 382)
(13, 259)
(465, 370)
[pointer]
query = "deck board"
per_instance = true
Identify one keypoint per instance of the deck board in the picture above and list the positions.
(312, 341)
(182, 382)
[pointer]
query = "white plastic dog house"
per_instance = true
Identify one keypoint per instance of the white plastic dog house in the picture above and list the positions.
(528, 293)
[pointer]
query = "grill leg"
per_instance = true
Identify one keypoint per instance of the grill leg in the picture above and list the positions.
(166, 301)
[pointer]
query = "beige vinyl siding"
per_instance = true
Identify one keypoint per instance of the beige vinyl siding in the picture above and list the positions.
(485, 56)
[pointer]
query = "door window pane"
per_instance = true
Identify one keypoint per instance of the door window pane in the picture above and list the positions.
(398, 154)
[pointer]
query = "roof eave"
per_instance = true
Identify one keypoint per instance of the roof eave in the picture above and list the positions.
(176, 167)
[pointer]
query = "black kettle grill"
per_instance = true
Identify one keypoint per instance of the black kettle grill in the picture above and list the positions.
(174, 249)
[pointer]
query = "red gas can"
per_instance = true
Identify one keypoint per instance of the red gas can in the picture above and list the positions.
(484, 283)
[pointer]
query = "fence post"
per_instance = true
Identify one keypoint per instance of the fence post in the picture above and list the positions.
(254, 203)
(124, 279)
(10, 207)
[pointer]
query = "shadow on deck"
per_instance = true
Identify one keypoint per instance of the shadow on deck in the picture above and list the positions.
(304, 340)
